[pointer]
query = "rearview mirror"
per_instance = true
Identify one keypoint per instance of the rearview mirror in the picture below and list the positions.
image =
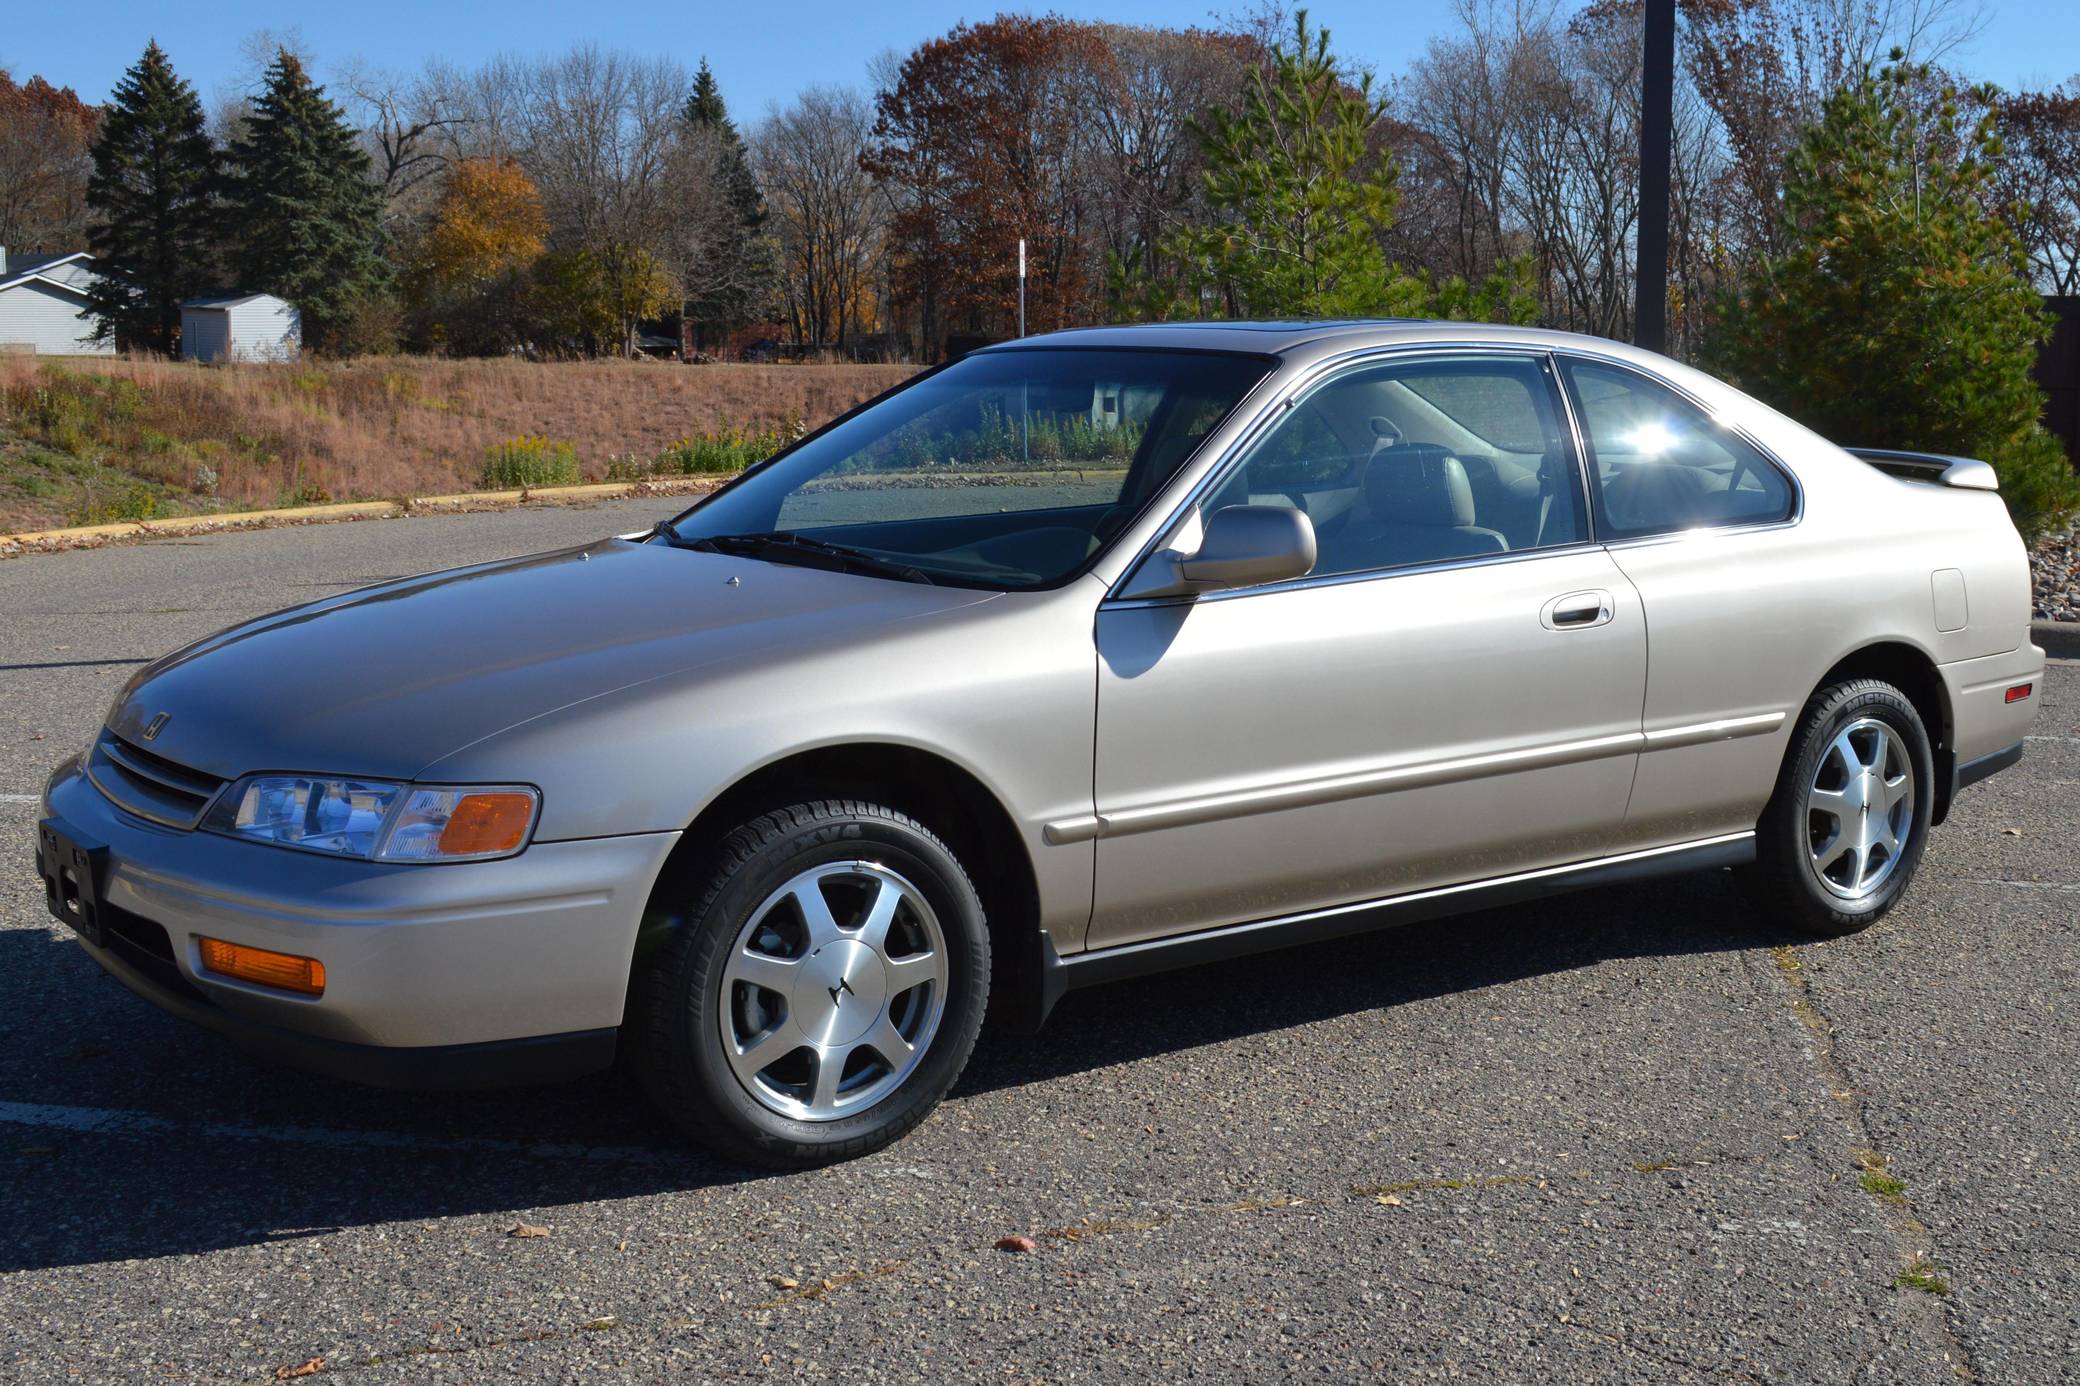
(1242, 545)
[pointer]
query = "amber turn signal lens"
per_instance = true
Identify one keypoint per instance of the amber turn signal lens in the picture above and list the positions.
(283, 970)
(484, 823)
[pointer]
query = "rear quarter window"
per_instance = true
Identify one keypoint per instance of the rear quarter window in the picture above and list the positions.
(1659, 464)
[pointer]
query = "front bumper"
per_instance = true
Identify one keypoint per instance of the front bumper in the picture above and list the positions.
(436, 975)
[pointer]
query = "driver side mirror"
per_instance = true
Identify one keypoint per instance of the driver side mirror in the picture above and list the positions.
(1242, 545)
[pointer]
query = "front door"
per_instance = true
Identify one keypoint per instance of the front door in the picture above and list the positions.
(1453, 694)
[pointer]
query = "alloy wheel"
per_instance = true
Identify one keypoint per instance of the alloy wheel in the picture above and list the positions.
(1860, 809)
(833, 991)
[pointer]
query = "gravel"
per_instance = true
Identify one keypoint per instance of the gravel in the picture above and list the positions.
(2055, 571)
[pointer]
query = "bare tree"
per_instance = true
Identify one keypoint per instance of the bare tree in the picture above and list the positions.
(2039, 181)
(1468, 94)
(405, 125)
(829, 219)
(598, 132)
(1140, 91)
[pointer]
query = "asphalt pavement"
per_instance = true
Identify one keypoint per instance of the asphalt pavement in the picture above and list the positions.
(1628, 1135)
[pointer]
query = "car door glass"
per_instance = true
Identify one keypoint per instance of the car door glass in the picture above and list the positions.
(1660, 464)
(1420, 462)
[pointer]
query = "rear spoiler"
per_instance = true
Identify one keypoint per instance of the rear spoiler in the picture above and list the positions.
(1965, 473)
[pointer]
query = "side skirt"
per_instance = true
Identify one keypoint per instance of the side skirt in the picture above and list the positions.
(1059, 975)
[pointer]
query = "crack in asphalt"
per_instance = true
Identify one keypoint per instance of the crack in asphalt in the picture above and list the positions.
(1912, 1241)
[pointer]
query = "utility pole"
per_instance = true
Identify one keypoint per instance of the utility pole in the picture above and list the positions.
(1021, 286)
(1656, 141)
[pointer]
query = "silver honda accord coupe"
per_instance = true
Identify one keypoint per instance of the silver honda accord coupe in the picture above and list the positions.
(1087, 655)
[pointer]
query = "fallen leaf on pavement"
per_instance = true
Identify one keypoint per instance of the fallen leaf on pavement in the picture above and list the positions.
(310, 1368)
(2011, 832)
(784, 1282)
(1017, 1244)
(1389, 1200)
(526, 1229)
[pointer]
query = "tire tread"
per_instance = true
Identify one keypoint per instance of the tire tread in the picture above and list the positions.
(1781, 873)
(689, 954)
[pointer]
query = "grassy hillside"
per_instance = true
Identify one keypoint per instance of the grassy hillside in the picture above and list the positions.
(84, 441)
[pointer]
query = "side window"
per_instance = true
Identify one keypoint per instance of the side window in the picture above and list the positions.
(1421, 461)
(1660, 464)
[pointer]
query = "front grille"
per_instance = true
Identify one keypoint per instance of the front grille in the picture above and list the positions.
(150, 786)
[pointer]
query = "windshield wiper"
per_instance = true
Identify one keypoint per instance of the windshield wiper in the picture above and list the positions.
(783, 544)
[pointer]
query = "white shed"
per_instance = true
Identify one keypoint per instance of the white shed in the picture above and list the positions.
(43, 305)
(242, 327)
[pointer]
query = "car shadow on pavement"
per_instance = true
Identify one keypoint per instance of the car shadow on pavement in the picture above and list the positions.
(1708, 912)
(126, 1134)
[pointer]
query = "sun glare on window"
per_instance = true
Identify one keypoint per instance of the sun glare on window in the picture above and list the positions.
(1650, 439)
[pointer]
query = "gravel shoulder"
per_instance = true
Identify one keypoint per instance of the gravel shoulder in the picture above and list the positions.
(1617, 1136)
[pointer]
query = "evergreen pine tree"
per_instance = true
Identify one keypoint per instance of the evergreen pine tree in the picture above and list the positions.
(1900, 312)
(151, 193)
(730, 281)
(1299, 203)
(704, 107)
(306, 214)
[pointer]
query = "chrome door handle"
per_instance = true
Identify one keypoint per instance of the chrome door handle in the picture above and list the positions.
(1577, 611)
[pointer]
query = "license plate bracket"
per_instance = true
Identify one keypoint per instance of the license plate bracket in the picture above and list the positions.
(71, 866)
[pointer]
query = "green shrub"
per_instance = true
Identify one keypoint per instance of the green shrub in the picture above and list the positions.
(136, 501)
(526, 462)
(728, 450)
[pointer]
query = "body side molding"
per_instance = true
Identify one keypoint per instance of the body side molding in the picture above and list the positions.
(1178, 813)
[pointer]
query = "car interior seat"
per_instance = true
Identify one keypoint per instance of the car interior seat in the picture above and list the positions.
(1422, 509)
(1654, 495)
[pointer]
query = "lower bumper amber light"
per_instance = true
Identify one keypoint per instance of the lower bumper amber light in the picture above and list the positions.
(283, 971)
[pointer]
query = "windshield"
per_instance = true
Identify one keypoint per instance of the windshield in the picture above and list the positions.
(1008, 469)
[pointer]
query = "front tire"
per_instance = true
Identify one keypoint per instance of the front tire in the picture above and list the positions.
(818, 989)
(1847, 824)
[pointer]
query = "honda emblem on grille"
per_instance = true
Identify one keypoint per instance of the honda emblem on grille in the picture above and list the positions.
(155, 726)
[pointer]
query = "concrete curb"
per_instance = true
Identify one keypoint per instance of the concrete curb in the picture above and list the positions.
(2060, 639)
(92, 536)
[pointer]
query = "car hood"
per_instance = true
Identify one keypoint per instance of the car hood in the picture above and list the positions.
(384, 681)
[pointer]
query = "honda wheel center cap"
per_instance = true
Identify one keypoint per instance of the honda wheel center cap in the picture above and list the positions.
(841, 992)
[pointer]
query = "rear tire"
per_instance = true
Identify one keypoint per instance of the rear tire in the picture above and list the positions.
(1846, 827)
(818, 988)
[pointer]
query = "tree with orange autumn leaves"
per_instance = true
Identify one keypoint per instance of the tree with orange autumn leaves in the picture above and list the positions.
(46, 134)
(978, 140)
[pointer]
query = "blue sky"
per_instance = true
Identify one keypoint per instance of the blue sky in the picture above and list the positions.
(761, 52)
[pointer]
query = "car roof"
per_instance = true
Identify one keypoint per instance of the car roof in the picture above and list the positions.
(1302, 339)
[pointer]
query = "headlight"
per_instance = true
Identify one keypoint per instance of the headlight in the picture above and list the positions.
(377, 820)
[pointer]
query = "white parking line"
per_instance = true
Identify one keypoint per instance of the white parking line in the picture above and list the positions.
(2072, 739)
(109, 1121)
(20, 798)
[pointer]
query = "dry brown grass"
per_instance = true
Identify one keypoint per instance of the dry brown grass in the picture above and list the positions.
(105, 439)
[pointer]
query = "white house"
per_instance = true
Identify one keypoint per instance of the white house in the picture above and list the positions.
(241, 327)
(42, 305)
